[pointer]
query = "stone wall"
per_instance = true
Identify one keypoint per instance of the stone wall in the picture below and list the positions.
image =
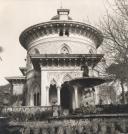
(53, 45)
(89, 124)
(18, 89)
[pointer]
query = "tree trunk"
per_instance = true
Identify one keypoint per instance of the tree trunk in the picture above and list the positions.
(123, 93)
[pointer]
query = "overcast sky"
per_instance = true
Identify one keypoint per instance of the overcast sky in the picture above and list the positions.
(17, 15)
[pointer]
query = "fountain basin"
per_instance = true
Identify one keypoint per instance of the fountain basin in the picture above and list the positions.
(87, 82)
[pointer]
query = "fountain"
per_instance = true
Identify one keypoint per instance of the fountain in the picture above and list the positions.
(86, 81)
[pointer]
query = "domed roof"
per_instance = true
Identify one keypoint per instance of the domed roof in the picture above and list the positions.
(62, 14)
(59, 23)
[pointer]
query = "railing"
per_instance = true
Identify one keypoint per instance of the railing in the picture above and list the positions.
(26, 109)
(25, 113)
(103, 109)
(113, 108)
(38, 113)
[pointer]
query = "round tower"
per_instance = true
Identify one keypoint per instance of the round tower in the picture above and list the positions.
(56, 50)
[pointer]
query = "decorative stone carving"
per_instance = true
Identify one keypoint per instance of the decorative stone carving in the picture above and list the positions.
(67, 77)
(61, 76)
(53, 82)
(65, 49)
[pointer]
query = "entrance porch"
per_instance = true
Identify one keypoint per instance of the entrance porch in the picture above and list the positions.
(65, 96)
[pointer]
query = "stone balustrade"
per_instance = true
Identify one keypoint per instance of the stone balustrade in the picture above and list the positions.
(25, 113)
(26, 109)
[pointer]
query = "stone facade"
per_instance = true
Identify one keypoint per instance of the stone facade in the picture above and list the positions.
(56, 52)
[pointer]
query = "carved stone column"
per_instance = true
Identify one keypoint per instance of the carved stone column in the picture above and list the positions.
(90, 71)
(43, 87)
(47, 96)
(76, 96)
(58, 95)
(31, 100)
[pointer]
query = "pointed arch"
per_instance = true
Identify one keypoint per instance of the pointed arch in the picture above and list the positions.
(36, 94)
(35, 87)
(53, 82)
(65, 49)
(53, 92)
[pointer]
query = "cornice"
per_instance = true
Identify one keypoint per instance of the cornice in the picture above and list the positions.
(65, 60)
(16, 79)
(53, 27)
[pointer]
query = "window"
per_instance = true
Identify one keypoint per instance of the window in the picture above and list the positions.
(36, 94)
(61, 32)
(64, 50)
(36, 99)
(64, 32)
(53, 94)
(67, 32)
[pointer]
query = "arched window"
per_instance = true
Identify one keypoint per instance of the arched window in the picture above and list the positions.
(64, 32)
(53, 92)
(61, 32)
(53, 82)
(65, 49)
(36, 94)
(67, 32)
(36, 97)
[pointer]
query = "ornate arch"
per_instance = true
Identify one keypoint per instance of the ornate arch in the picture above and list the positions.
(53, 92)
(53, 82)
(36, 94)
(35, 87)
(67, 77)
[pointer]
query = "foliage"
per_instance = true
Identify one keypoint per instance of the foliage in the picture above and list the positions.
(115, 30)
(103, 109)
(90, 109)
(107, 94)
(16, 100)
(120, 71)
(5, 95)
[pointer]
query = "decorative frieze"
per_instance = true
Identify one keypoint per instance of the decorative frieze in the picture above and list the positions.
(68, 60)
(53, 27)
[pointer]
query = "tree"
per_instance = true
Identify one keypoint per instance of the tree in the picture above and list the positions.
(115, 30)
(107, 94)
(5, 95)
(120, 71)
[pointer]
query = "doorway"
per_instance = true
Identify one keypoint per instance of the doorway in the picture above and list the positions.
(66, 97)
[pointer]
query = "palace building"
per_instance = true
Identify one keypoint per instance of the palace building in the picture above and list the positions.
(60, 53)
